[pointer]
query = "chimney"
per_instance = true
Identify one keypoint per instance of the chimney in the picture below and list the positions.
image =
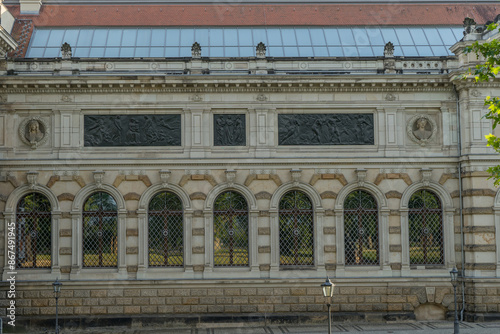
(31, 7)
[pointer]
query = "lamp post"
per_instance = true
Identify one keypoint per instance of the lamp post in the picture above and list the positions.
(454, 282)
(328, 287)
(57, 292)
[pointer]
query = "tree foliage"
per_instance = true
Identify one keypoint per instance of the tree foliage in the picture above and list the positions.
(490, 52)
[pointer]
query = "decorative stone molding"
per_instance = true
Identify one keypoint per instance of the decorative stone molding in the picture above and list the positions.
(426, 176)
(53, 179)
(328, 195)
(391, 97)
(475, 93)
(198, 196)
(197, 98)
(32, 179)
(66, 197)
(393, 194)
(296, 174)
(383, 176)
(421, 129)
(34, 132)
(261, 98)
(361, 175)
(132, 197)
(98, 178)
(263, 195)
(66, 98)
(164, 177)
(230, 176)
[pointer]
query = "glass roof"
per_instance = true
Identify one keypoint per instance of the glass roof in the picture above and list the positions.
(241, 42)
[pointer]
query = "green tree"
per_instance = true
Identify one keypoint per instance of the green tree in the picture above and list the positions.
(490, 52)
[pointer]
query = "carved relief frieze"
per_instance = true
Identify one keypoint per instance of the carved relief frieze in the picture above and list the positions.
(132, 130)
(229, 130)
(34, 132)
(421, 129)
(326, 129)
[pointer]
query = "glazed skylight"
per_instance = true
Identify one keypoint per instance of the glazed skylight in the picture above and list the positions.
(241, 42)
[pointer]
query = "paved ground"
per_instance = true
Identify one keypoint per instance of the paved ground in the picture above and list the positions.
(422, 327)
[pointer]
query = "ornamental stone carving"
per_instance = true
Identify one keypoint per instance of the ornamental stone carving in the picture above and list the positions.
(229, 130)
(66, 51)
(132, 130)
(260, 50)
(421, 129)
(34, 132)
(196, 50)
(325, 129)
(389, 50)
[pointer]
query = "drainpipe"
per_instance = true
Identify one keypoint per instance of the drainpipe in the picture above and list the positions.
(462, 238)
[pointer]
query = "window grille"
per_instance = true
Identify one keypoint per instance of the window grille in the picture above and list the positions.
(166, 233)
(230, 230)
(361, 229)
(296, 230)
(425, 220)
(100, 240)
(33, 232)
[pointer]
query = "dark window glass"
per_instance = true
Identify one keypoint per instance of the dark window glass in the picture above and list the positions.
(361, 229)
(296, 230)
(166, 231)
(425, 225)
(230, 230)
(33, 232)
(100, 239)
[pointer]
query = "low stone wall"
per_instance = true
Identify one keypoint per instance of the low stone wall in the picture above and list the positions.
(355, 299)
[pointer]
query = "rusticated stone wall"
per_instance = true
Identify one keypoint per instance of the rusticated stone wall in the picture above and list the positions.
(154, 298)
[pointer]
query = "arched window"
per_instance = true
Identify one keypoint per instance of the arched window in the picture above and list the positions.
(230, 230)
(100, 240)
(296, 230)
(361, 229)
(425, 220)
(166, 231)
(33, 232)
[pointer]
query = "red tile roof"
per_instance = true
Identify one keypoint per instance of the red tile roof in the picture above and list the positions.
(256, 14)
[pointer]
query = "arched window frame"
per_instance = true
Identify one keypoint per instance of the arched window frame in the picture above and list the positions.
(144, 271)
(448, 226)
(233, 213)
(101, 215)
(30, 242)
(384, 268)
(424, 215)
(10, 218)
(77, 270)
(295, 236)
(360, 215)
(318, 216)
(253, 213)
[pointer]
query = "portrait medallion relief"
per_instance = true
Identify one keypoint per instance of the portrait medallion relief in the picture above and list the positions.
(34, 132)
(421, 129)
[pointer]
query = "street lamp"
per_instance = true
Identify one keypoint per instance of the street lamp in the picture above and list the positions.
(57, 292)
(328, 287)
(454, 282)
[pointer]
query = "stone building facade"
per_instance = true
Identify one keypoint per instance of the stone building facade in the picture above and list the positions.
(350, 151)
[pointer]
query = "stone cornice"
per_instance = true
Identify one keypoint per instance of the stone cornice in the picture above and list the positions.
(226, 84)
